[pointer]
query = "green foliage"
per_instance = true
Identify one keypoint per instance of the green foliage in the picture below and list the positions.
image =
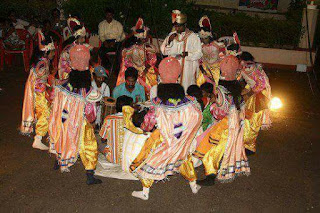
(27, 9)
(253, 31)
(156, 13)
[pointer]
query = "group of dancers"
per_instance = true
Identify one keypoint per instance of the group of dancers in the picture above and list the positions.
(204, 103)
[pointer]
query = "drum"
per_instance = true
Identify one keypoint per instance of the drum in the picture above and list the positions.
(109, 106)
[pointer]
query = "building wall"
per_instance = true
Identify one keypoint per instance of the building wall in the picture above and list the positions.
(233, 4)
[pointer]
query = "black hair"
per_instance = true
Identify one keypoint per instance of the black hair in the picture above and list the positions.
(131, 72)
(167, 91)
(55, 10)
(138, 117)
(233, 47)
(123, 101)
(207, 87)
(109, 10)
(37, 53)
(46, 21)
(235, 88)
(130, 41)
(246, 56)
(11, 11)
(80, 79)
(195, 91)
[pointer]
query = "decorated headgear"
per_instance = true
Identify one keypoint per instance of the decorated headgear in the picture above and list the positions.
(72, 23)
(178, 17)
(140, 30)
(43, 47)
(237, 41)
(205, 27)
(79, 57)
(169, 70)
(229, 67)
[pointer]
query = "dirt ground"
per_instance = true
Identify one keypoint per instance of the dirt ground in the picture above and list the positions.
(284, 178)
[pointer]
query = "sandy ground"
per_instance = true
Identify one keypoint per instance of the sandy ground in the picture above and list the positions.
(285, 169)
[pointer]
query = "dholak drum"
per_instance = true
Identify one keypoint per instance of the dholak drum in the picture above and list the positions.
(109, 106)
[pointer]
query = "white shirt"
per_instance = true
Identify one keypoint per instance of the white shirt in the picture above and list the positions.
(104, 89)
(112, 30)
(20, 24)
(191, 62)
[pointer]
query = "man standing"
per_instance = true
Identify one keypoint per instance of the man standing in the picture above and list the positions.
(111, 34)
(130, 88)
(184, 45)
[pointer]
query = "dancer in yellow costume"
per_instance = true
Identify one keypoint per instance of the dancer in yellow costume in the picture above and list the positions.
(258, 96)
(36, 108)
(209, 64)
(73, 112)
(221, 145)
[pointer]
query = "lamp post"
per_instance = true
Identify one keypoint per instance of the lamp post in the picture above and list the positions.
(310, 16)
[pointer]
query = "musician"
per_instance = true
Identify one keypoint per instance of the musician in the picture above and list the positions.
(111, 35)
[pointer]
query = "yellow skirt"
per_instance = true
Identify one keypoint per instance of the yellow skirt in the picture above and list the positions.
(42, 109)
(186, 169)
(212, 147)
(88, 147)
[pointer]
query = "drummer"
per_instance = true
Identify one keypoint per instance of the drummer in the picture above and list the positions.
(130, 88)
(99, 83)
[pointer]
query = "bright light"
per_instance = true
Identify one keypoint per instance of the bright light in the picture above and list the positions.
(276, 103)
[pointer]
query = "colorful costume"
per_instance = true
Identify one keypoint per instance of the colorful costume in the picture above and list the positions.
(209, 62)
(36, 107)
(221, 146)
(169, 146)
(64, 67)
(74, 109)
(257, 105)
(113, 130)
(140, 56)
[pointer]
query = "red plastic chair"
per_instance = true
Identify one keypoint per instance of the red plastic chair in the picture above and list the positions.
(7, 55)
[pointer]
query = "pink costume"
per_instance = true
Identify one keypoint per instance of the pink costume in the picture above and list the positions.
(73, 111)
(140, 56)
(35, 105)
(178, 126)
(257, 105)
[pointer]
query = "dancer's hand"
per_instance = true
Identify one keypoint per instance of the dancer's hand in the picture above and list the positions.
(172, 37)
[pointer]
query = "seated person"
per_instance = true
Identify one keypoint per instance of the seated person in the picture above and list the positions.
(98, 83)
(195, 91)
(111, 35)
(112, 130)
(130, 88)
(17, 23)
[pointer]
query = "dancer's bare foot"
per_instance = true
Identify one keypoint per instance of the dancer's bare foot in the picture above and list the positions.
(37, 144)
